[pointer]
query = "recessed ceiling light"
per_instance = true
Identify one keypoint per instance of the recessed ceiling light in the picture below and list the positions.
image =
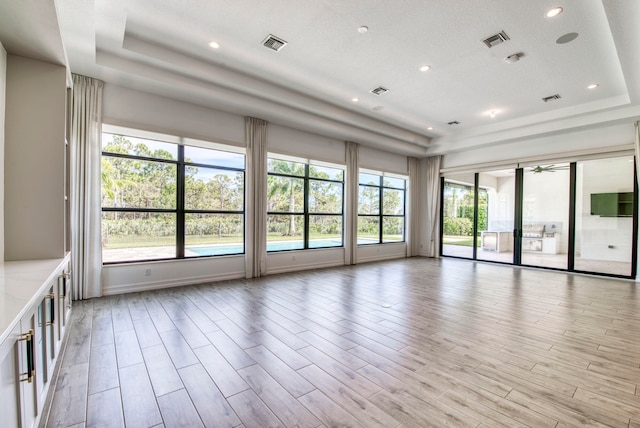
(355, 99)
(214, 45)
(593, 86)
(553, 12)
(425, 68)
(430, 128)
(363, 29)
(492, 114)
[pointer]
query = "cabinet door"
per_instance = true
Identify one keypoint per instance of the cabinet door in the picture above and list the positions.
(64, 300)
(51, 330)
(40, 349)
(28, 356)
(9, 381)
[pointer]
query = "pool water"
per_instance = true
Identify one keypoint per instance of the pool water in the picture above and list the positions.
(229, 249)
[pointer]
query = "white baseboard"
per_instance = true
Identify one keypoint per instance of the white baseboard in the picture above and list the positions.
(156, 285)
(305, 266)
(377, 258)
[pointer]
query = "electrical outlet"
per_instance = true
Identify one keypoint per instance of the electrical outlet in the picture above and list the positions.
(147, 272)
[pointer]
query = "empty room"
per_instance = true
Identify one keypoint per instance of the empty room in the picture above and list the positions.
(319, 213)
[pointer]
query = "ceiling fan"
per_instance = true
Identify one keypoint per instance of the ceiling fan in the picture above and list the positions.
(549, 168)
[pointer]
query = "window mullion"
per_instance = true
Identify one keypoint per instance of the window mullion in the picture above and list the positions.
(306, 207)
(180, 201)
(381, 210)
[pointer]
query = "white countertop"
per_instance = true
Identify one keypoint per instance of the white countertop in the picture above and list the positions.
(21, 284)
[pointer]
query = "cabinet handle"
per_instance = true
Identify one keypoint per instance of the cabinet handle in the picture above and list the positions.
(63, 285)
(28, 337)
(52, 308)
(65, 277)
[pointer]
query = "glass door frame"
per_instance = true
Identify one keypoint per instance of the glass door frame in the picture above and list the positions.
(518, 225)
(474, 233)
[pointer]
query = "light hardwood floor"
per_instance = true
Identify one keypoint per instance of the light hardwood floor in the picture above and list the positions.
(413, 342)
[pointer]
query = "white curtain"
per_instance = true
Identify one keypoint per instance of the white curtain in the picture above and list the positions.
(413, 225)
(351, 205)
(432, 193)
(256, 213)
(85, 145)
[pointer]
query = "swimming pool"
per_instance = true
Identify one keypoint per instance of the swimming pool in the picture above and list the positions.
(230, 249)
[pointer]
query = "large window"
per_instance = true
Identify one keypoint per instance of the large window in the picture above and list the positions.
(168, 199)
(381, 205)
(304, 208)
(576, 216)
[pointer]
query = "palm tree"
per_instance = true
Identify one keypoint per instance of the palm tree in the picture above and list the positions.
(286, 186)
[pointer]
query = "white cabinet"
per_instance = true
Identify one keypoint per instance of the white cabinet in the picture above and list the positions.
(498, 241)
(32, 308)
(551, 243)
(9, 383)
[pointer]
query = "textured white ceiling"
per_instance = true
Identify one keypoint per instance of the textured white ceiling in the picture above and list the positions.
(162, 46)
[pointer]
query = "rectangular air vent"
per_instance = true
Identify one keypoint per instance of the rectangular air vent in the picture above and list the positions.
(273, 42)
(379, 90)
(496, 39)
(453, 122)
(551, 98)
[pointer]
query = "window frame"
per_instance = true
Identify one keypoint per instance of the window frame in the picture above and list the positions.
(305, 213)
(179, 211)
(380, 216)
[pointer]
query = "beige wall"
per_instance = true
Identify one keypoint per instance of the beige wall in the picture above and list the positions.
(3, 80)
(34, 154)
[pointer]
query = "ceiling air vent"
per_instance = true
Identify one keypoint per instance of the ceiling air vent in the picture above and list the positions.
(273, 42)
(496, 39)
(453, 122)
(379, 90)
(551, 98)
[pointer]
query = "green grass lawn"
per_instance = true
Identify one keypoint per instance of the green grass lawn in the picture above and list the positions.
(129, 241)
(465, 241)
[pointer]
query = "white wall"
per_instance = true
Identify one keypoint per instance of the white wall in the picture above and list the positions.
(3, 82)
(379, 160)
(287, 141)
(546, 200)
(502, 204)
(135, 109)
(603, 238)
(591, 139)
(130, 277)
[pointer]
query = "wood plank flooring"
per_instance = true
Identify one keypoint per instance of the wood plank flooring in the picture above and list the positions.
(413, 342)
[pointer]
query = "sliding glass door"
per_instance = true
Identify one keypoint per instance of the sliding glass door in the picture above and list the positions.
(495, 208)
(545, 215)
(458, 212)
(605, 224)
(578, 216)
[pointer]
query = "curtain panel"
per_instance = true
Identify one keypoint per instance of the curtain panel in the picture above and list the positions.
(413, 223)
(432, 193)
(256, 208)
(85, 154)
(351, 205)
